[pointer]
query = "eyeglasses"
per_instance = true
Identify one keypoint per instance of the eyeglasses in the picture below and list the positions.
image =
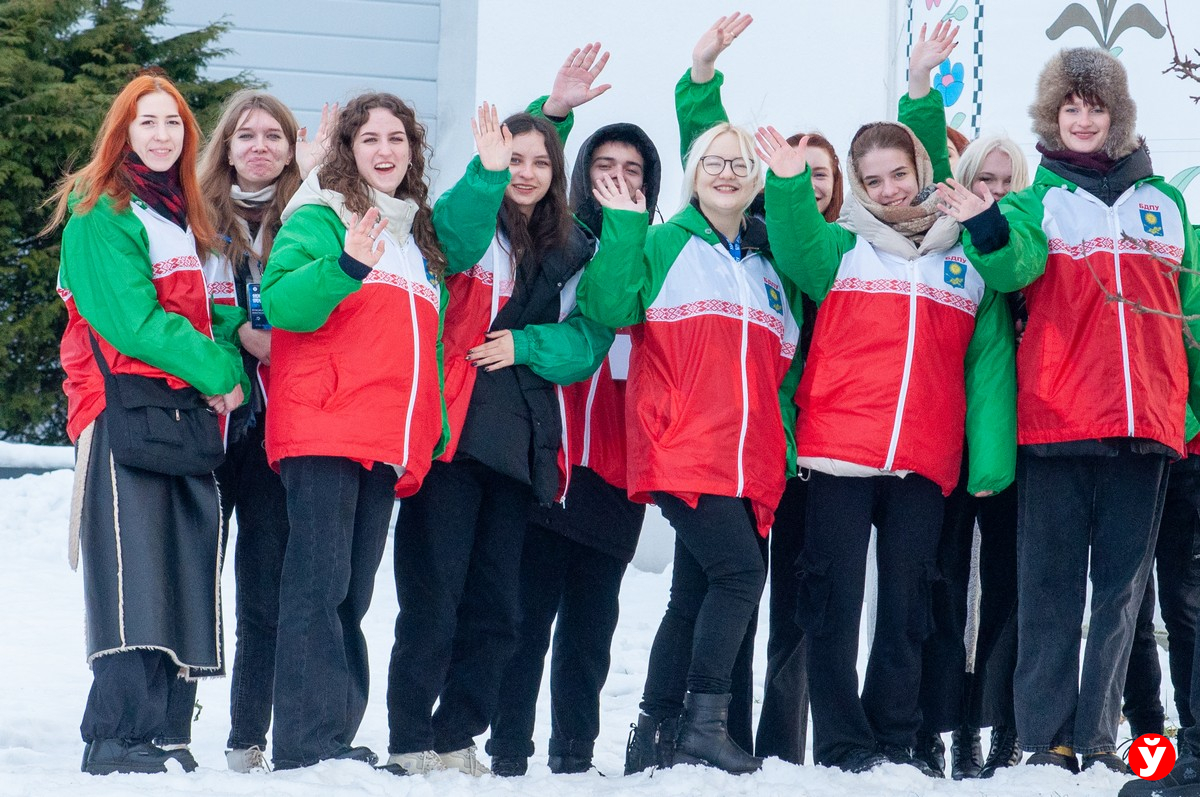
(715, 164)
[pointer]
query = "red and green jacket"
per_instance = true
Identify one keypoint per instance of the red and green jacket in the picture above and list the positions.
(134, 278)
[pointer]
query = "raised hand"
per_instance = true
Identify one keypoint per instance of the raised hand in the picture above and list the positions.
(360, 237)
(309, 155)
(613, 193)
(493, 141)
(573, 83)
(927, 53)
(960, 204)
(714, 41)
(782, 158)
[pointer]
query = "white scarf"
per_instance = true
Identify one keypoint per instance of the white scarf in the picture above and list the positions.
(398, 212)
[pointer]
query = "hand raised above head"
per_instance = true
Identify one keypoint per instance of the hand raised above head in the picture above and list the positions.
(573, 82)
(927, 53)
(613, 193)
(782, 158)
(714, 41)
(492, 139)
(361, 235)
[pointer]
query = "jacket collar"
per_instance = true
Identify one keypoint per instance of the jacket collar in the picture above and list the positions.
(1108, 186)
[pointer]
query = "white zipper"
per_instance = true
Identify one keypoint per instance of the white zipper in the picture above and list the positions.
(412, 395)
(566, 443)
(1116, 230)
(744, 296)
(587, 419)
(908, 359)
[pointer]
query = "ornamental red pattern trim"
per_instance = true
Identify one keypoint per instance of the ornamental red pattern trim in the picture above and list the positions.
(948, 298)
(715, 307)
(423, 290)
(165, 268)
(1139, 245)
(478, 272)
(221, 289)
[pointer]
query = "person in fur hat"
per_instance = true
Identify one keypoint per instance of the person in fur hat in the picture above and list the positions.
(1105, 255)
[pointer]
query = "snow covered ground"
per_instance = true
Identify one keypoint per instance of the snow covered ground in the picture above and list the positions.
(44, 682)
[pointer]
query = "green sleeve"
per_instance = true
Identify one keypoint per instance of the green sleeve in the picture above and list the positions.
(227, 319)
(698, 107)
(613, 286)
(563, 353)
(303, 282)
(465, 216)
(563, 126)
(926, 117)
(991, 385)
(807, 249)
(105, 264)
(1023, 258)
(1189, 299)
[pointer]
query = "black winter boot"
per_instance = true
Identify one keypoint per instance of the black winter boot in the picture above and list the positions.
(641, 752)
(1005, 751)
(966, 757)
(932, 751)
(704, 736)
(106, 756)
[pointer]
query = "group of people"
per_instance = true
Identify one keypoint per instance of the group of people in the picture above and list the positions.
(525, 363)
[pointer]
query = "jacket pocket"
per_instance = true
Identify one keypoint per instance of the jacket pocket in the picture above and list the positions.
(814, 588)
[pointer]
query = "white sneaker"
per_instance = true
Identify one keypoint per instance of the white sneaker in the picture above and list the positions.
(246, 761)
(464, 760)
(419, 763)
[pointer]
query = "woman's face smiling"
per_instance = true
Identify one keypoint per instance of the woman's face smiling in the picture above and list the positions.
(531, 171)
(822, 176)
(381, 151)
(1082, 126)
(724, 192)
(996, 173)
(156, 132)
(258, 150)
(889, 176)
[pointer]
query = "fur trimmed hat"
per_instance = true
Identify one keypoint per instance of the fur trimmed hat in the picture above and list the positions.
(1088, 72)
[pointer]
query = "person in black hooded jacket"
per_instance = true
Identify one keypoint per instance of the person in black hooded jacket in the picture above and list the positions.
(576, 552)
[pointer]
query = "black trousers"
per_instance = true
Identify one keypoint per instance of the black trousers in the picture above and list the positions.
(783, 722)
(249, 486)
(841, 510)
(950, 697)
(338, 513)
(716, 583)
(458, 558)
(128, 698)
(1177, 562)
(574, 588)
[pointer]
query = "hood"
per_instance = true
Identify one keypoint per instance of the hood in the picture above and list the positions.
(586, 208)
(1092, 72)
(399, 212)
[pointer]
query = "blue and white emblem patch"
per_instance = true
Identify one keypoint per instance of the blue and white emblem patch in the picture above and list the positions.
(774, 296)
(956, 273)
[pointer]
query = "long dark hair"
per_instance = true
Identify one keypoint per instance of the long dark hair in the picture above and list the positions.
(340, 173)
(217, 174)
(549, 226)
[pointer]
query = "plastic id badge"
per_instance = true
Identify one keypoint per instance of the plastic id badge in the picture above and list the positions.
(258, 319)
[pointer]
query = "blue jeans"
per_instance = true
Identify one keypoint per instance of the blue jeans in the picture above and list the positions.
(339, 512)
(1072, 509)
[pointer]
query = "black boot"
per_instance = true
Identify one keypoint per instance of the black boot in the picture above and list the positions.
(564, 764)
(931, 750)
(106, 756)
(704, 736)
(1005, 751)
(641, 752)
(966, 757)
(509, 766)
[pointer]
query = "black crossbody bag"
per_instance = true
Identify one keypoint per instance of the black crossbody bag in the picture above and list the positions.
(156, 427)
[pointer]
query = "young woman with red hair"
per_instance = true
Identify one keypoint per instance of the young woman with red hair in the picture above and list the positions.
(130, 274)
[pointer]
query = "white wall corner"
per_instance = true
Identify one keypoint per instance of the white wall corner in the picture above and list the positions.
(458, 55)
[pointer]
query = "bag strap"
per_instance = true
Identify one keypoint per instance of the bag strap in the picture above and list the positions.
(100, 361)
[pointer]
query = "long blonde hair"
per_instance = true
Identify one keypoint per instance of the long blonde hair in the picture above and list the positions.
(970, 161)
(217, 175)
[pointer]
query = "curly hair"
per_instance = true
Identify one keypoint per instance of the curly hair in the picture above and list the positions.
(340, 172)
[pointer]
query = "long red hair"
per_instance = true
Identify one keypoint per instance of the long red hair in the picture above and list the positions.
(104, 173)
